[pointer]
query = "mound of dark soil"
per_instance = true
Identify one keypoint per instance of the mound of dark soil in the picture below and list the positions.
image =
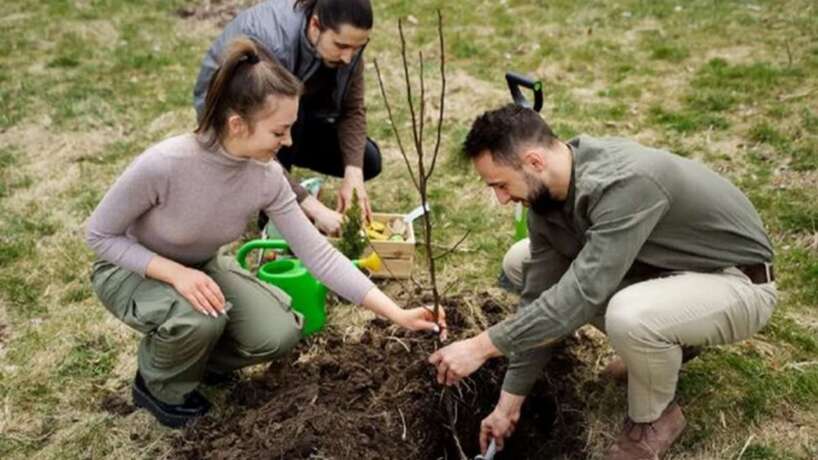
(378, 399)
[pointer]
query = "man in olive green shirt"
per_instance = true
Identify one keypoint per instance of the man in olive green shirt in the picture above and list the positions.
(656, 250)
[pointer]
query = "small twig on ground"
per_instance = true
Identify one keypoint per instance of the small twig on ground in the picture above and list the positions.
(475, 313)
(391, 337)
(360, 366)
(448, 287)
(461, 250)
(415, 282)
(746, 445)
(382, 414)
(789, 53)
(22, 438)
(598, 363)
(800, 366)
(789, 97)
(698, 398)
(403, 421)
(588, 439)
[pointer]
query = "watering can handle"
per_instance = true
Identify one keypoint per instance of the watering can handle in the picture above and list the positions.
(241, 255)
(373, 262)
(515, 81)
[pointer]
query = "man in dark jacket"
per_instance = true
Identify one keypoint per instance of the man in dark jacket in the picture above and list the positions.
(321, 42)
(656, 250)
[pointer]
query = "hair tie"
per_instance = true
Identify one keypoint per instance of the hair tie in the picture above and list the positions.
(251, 58)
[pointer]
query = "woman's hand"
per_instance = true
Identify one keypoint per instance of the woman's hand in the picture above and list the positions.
(195, 286)
(200, 290)
(414, 319)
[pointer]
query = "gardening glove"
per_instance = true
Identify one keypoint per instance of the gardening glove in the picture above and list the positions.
(353, 180)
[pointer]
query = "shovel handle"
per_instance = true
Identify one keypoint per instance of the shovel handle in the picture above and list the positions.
(515, 81)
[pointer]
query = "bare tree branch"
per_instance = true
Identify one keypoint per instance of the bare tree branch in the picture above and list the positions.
(442, 93)
(421, 181)
(422, 96)
(454, 248)
(409, 98)
(395, 126)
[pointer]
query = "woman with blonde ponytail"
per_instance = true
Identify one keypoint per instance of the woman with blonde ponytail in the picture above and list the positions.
(158, 230)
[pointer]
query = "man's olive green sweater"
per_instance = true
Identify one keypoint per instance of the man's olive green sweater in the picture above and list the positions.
(632, 212)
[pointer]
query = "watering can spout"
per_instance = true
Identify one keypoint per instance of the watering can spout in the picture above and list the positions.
(371, 262)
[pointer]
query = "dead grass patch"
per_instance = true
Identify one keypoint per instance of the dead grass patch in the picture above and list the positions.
(218, 12)
(172, 123)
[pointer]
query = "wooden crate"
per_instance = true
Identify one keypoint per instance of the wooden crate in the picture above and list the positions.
(398, 256)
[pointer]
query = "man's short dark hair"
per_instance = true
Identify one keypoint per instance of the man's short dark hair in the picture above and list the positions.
(502, 131)
(332, 14)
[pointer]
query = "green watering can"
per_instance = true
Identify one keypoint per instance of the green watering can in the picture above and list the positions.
(520, 222)
(309, 296)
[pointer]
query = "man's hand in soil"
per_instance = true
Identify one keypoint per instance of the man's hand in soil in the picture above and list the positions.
(353, 180)
(460, 359)
(326, 220)
(502, 422)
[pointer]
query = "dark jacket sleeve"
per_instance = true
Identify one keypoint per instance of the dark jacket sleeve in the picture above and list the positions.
(261, 23)
(352, 121)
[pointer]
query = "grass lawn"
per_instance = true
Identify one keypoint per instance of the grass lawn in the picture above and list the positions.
(87, 85)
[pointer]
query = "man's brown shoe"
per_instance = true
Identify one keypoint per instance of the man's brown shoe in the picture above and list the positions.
(648, 441)
(618, 372)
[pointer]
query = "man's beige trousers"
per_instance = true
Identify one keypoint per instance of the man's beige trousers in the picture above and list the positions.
(648, 322)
